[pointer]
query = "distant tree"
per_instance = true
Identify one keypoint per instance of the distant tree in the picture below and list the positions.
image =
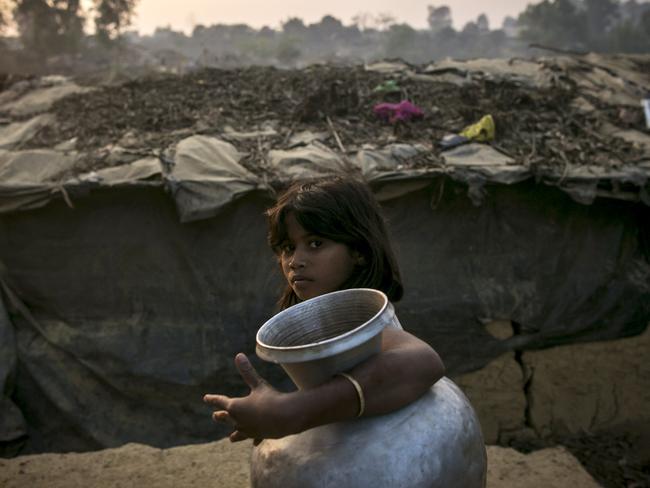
(470, 32)
(258, 47)
(240, 32)
(330, 23)
(363, 20)
(554, 23)
(288, 51)
(294, 27)
(111, 17)
(198, 30)
(600, 17)
(483, 23)
(384, 21)
(628, 37)
(643, 29)
(440, 44)
(631, 30)
(49, 27)
(595, 25)
(510, 26)
(439, 18)
(328, 29)
(168, 38)
(266, 32)
(632, 11)
(404, 42)
(601, 14)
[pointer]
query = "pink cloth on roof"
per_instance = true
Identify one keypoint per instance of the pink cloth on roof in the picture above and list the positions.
(394, 112)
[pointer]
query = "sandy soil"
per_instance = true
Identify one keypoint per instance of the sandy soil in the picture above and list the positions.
(225, 465)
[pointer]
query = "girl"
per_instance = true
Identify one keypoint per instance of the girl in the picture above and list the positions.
(329, 235)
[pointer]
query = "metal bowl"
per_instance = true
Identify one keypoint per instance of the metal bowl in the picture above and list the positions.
(329, 334)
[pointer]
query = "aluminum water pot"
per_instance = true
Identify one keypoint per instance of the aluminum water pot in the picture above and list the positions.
(434, 442)
(326, 335)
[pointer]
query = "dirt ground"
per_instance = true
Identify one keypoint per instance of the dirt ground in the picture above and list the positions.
(614, 460)
(225, 465)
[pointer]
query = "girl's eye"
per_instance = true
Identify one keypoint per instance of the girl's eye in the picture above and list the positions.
(315, 243)
(287, 248)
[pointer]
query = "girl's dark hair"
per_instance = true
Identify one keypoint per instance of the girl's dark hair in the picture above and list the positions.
(344, 210)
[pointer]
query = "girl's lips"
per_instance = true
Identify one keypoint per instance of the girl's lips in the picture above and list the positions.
(299, 279)
(300, 284)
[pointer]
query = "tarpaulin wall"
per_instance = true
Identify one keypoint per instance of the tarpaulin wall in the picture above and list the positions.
(137, 315)
(132, 316)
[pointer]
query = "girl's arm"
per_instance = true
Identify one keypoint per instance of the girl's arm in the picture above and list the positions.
(405, 369)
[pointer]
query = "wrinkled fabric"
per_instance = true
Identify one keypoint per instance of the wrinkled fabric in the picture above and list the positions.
(403, 111)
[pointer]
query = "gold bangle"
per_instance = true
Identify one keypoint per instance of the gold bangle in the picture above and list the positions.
(357, 386)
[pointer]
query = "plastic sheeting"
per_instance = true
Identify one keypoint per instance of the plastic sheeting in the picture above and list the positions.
(34, 166)
(127, 174)
(12, 424)
(304, 162)
(132, 315)
(15, 134)
(206, 175)
(30, 179)
(48, 90)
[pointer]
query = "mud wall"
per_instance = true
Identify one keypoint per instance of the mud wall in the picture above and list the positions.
(565, 390)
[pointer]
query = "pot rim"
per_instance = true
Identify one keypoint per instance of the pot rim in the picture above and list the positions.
(327, 347)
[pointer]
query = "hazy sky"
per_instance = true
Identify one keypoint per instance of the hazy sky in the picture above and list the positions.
(185, 14)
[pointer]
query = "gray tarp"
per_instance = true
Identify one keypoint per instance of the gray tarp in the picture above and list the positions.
(206, 175)
(133, 315)
(12, 423)
(14, 134)
(35, 96)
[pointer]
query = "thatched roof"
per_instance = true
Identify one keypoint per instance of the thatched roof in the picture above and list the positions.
(575, 122)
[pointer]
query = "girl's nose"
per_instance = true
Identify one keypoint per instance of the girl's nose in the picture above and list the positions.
(296, 263)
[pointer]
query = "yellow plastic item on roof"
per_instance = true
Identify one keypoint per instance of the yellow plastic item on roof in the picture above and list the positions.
(482, 131)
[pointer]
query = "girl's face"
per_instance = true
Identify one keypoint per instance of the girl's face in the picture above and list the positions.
(314, 265)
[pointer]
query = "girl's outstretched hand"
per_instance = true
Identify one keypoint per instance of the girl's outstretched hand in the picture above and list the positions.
(264, 414)
(405, 368)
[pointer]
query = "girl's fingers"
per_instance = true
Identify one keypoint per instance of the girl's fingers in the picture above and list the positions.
(237, 436)
(222, 416)
(219, 401)
(247, 372)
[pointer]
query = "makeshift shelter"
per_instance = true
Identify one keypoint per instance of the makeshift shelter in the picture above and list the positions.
(133, 272)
